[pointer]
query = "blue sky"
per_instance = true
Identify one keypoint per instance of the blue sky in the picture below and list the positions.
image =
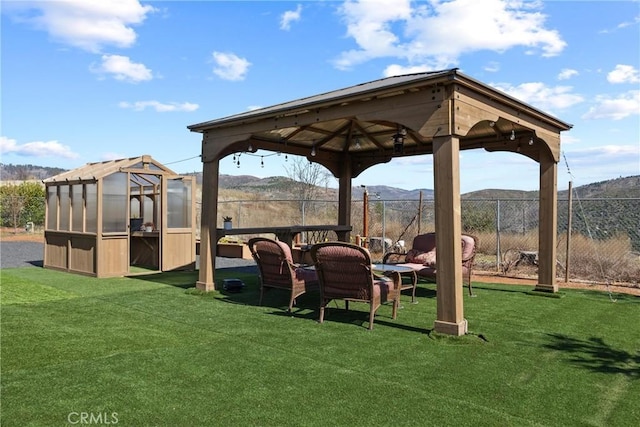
(86, 81)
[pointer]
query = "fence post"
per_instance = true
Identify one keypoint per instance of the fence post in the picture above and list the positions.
(498, 235)
(304, 206)
(570, 214)
(384, 227)
(420, 212)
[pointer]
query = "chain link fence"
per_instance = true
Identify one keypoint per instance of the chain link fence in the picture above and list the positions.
(603, 246)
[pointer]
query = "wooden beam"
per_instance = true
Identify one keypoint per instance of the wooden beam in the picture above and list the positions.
(548, 218)
(208, 225)
(446, 165)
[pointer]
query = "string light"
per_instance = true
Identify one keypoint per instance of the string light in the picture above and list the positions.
(358, 144)
(261, 161)
(313, 150)
(513, 135)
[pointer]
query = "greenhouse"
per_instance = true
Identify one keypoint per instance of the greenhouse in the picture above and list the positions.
(120, 217)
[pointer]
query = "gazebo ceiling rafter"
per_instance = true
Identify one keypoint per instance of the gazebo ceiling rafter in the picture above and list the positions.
(351, 129)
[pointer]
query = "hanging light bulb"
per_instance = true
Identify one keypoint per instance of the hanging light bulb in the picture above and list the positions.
(531, 141)
(358, 144)
(250, 148)
(513, 135)
(286, 157)
(313, 150)
(261, 161)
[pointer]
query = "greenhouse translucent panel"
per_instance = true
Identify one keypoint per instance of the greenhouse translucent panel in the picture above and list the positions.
(179, 203)
(148, 212)
(114, 203)
(77, 206)
(65, 208)
(52, 208)
(134, 206)
(91, 206)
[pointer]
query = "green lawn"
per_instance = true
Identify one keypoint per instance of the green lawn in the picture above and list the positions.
(152, 351)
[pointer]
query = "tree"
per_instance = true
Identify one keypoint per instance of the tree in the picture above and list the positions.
(308, 178)
(22, 203)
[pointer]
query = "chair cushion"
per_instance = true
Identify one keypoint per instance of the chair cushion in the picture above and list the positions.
(415, 256)
(468, 247)
(424, 242)
(287, 251)
(382, 287)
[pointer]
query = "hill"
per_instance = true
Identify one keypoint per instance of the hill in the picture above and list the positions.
(9, 172)
(276, 187)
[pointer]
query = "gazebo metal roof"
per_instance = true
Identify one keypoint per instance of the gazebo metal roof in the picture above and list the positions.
(351, 129)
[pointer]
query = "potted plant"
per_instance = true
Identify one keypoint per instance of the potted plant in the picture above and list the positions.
(226, 221)
(148, 226)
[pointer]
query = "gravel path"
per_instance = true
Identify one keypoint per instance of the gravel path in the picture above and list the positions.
(31, 254)
(21, 254)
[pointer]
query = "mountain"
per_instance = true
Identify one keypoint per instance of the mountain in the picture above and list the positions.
(391, 193)
(11, 172)
(276, 187)
(619, 188)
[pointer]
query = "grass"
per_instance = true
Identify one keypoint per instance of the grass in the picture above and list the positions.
(156, 352)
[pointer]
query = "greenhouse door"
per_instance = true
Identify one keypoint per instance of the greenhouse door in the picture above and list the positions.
(178, 250)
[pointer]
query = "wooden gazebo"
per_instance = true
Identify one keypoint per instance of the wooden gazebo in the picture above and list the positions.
(352, 129)
(120, 217)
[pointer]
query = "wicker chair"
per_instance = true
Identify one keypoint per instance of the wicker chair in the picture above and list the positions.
(344, 272)
(422, 257)
(277, 269)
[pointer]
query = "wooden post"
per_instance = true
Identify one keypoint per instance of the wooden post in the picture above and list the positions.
(344, 196)
(548, 219)
(365, 218)
(208, 225)
(446, 166)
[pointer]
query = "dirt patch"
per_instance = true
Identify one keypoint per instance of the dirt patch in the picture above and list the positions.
(488, 277)
(8, 235)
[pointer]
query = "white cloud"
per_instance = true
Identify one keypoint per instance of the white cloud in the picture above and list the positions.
(622, 159)
(121, 68)
(624, 74)
(618, 108)
(290, 16)
(36, 148)
(159, 106)
(230, 66)
(397, 70)
(567, 73)
(622, 25)
(435, 34)
(542, 96)
(88, 25)
(492, 67)
(110, 155)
